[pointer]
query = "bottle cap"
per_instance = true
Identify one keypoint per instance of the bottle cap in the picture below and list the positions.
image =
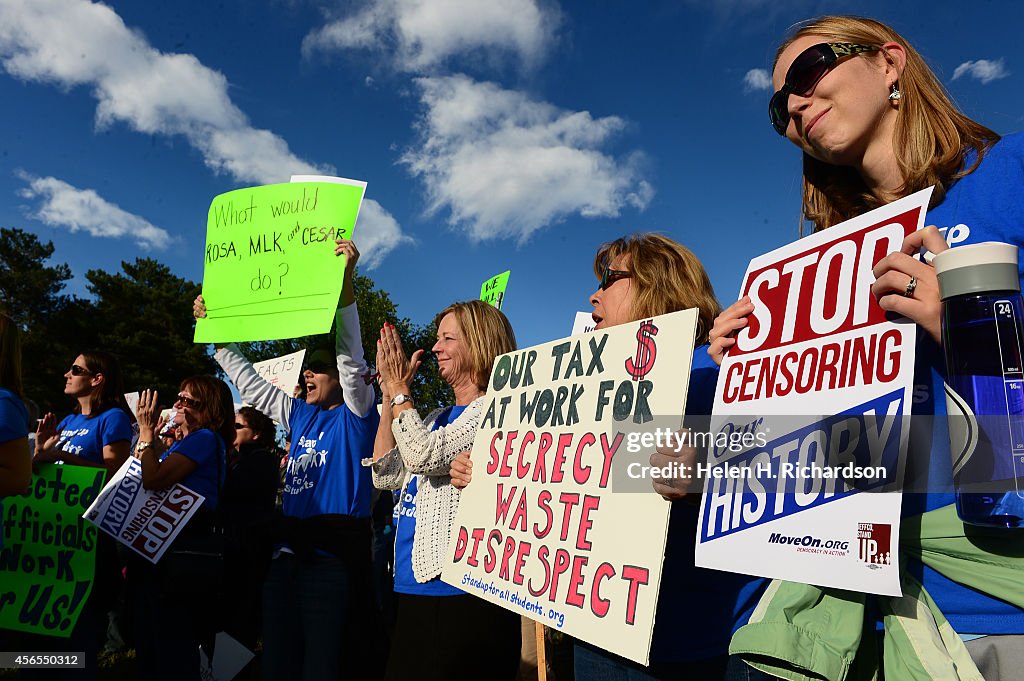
(977, 268)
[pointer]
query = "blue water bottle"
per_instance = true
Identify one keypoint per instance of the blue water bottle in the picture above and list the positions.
(982, 317)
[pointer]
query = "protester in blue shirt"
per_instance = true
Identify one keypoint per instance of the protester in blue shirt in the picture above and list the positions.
(471, 638)
(874, 125)
(319, 578)
(642, 276)
(99, 431)
(175, 599)
(15, 460)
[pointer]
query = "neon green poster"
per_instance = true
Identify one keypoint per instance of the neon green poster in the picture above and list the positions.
(48, 557)
(492, 291)
(270, 271)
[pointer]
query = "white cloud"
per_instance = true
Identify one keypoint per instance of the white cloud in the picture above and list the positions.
(984, 70)
(422, 34)
(377, 234)
(62, 205)
(505, 165)
(78, 43)
(757, 79)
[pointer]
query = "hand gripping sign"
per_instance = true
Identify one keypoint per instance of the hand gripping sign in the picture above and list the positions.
(824, 380)
(539, 531)
(146, 521)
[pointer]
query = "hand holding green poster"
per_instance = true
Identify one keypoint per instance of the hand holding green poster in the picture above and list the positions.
(48, 557)
(492, 291)
(269, 267)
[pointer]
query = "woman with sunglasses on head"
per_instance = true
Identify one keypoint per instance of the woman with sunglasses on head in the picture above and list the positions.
(99, 431)
(319, 577)
(440, 631)
(874, 124)
(174, 606)
(641, 276)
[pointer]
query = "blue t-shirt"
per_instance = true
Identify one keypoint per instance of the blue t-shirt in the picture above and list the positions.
(206, 449)
(698, 609)
(325, 472)
(86, 436)
(13, 426)
(405, 530)
(986, 205)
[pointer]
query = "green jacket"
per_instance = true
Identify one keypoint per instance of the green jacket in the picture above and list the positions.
(807, 633)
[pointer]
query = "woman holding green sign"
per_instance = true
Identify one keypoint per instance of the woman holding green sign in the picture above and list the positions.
(440, 631)
(319, 576)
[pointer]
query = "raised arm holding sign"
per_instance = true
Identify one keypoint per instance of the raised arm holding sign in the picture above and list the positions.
(269, 271)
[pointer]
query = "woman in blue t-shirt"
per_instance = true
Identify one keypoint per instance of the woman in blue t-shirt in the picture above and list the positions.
(440, 632)
(98, 432)
(642, 276)
(874, 125)
(175, 600)
(15, 462)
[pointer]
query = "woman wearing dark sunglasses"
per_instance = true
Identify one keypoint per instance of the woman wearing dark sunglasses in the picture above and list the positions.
(641, 276)
(174, 610)
(99, 430)
(874, 124)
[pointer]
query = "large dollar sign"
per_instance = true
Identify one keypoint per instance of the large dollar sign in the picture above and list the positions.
(642, 362)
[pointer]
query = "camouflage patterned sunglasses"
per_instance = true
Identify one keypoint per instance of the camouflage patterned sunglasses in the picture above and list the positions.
(807, 69)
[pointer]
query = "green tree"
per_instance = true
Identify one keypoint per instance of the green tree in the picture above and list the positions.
(142, 315)
(53, 324)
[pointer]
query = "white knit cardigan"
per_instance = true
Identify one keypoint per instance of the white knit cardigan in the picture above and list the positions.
(429, 454)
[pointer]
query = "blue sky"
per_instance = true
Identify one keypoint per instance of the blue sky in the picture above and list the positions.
(493, 135)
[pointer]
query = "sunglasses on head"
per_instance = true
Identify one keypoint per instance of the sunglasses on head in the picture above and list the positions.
(79, 371)
(187, 402)
(807, 69)
(610, 276)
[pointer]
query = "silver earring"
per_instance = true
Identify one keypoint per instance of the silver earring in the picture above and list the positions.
(895, 95)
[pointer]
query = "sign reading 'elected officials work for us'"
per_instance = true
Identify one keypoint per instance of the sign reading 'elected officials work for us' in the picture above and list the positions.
(815, 495)
(539, 531)
(269, 268)
(48, 557)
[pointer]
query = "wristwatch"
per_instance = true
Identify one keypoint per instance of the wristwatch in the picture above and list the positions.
(400, 399)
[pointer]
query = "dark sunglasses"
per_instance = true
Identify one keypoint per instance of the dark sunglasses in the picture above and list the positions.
(240, 426)
(610, 276)
(79, 371)
(318, 367)
(187, 402)
(807, 69)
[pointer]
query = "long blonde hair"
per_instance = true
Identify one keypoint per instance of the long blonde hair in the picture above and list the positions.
(666, 277)
(931, 141)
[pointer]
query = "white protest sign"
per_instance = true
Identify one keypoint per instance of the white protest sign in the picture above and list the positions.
(229, 658)
(820, 383)
(282, 372)
(146, 521)
(583, 323)
(133, 401)
(539, 531)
